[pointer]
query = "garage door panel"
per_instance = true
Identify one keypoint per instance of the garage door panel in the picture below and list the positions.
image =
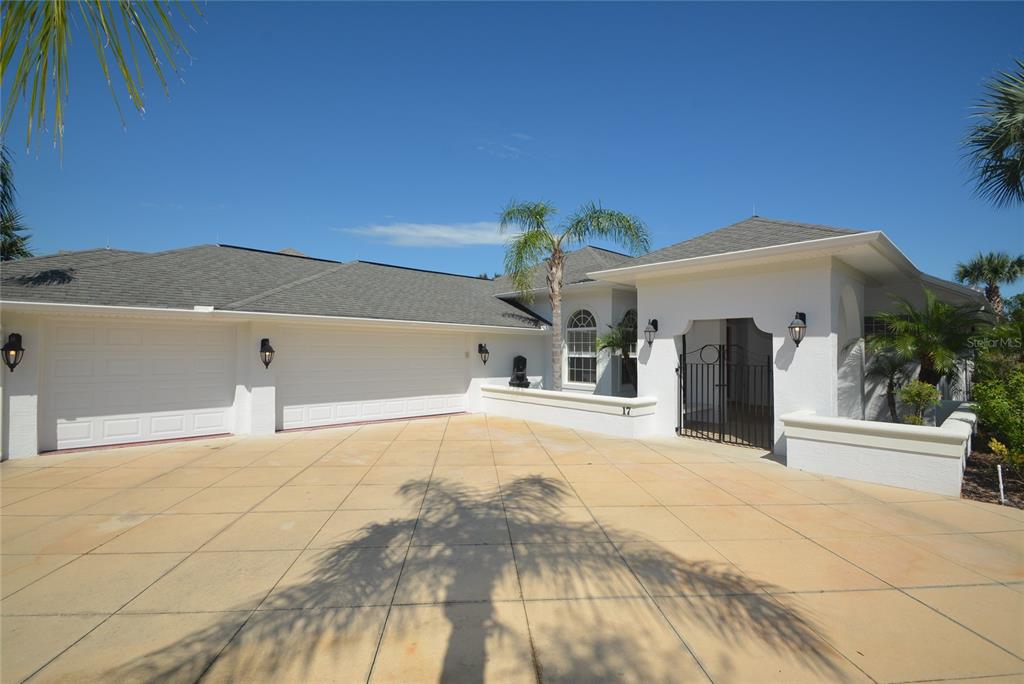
(125, 336)
(329, 377)
(75, 335)
(122, 383)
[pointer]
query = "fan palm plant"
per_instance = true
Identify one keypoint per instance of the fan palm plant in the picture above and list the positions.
(620, 338)
(36, 37)
(934, 336)
(13, 239)
(537, 243)
(890, 368)
(995, 144)
(991, 270)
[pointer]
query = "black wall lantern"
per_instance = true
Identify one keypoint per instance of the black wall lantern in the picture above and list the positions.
(266, 352)
(481, 349)
(798, 327)
(13, 351)
(652, 327)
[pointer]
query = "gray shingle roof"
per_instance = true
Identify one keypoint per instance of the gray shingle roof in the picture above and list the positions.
(369, 290)
(577, 264)
(239, 279)
(750, 233)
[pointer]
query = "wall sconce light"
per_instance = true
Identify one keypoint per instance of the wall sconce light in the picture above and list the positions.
(481, 349)
(266, 352)
(13, 351)
(798, 327)
(652, 327)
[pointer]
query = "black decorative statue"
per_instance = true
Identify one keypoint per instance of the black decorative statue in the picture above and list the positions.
(519, 378)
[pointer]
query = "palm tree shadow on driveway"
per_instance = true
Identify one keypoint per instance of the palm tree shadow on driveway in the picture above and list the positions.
(298, 623)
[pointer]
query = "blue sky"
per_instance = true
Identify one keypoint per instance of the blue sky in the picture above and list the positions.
(396, 132)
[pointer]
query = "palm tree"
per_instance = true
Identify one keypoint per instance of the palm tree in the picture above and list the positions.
(13, 240)
(537, 243)
(934, 336)
(36, 36)
(995, 144)
(991, 270)
(620, 338)
(890, 368)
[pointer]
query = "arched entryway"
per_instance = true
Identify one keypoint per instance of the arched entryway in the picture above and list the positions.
(726, 390)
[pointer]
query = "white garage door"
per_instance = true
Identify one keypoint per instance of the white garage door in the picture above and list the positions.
(114, 382)
(329, 377)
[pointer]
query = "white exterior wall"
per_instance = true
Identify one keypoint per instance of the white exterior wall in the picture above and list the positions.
(19, 390)
(804, 377)
(178, 369)
(928, 459)
(848, 324)
(498, 371)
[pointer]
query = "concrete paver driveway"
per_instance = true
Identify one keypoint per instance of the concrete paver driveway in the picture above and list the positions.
(476, 548)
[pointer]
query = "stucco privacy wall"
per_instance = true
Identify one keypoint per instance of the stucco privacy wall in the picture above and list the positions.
(924, 458)
(804, 377)
(201, 375)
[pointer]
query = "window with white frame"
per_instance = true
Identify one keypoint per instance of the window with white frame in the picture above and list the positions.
(581, 342)
(629, 323)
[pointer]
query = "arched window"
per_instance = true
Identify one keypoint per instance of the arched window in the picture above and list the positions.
(629, 323)
(581, 341)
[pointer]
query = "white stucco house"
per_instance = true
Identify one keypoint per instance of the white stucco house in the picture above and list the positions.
(124, 347)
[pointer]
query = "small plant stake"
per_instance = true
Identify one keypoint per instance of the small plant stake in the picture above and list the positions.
(1002, 497)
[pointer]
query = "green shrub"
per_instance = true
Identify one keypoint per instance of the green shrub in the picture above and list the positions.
(1013, 460)
(921, 396)
(1000, 406)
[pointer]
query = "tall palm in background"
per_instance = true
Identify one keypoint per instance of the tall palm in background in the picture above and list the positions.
(36, 37)
(933, 336)
(995, 144)
(13, 238)
(991, 270)
(535, 243)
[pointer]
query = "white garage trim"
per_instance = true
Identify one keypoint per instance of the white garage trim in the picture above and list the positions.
(210, 314)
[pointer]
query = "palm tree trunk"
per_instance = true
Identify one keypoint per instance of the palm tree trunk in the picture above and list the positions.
(890, 399)
(994, 297)
(928, 373)
(555, 295)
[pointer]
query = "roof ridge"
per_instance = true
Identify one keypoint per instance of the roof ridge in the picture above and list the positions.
(66, 253)
(787, 222)
(285, 286)
(421, 270)
(279, 253)
(605, 249)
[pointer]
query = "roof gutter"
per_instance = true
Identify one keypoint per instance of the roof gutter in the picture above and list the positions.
(630, 274)
(208, 313)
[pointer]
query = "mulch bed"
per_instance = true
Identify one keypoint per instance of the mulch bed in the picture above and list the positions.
(981, 482)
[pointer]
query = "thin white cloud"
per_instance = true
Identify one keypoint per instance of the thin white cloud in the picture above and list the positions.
(500, 150)
(432, 234)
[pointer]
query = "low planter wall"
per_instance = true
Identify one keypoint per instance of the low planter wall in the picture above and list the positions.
(928, 459)
(617, 416)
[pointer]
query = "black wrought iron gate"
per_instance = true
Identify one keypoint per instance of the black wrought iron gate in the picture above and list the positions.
(726, 396)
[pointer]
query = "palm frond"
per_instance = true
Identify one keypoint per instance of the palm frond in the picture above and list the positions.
(593, 221)
(993, 268)
(525, 216)
(994, 146)
(524, 252)
(36, 35)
